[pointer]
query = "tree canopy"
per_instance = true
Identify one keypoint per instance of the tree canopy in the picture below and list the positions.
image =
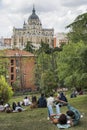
(29, 47)
(78, 29)
(72, 65)
(46, 76)
(3, 64)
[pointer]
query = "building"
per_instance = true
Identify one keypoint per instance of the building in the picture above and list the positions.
(32, 31)
(59, 39)
(21, 68)
(5, 43)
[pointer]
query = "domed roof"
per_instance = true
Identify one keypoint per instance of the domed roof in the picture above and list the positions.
(33, 15)
(34, 19)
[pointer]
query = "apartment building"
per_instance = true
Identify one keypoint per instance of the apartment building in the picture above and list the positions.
(20, 68)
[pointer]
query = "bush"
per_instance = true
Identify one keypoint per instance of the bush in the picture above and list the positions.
(5, 90)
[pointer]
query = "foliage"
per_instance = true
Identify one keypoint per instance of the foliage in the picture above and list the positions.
(72, 65)
(29, 47)
(3, 64)
(49, 82)
(44, 47)
(16, 85)
(78, 29)
(46, 77)
(5, 90)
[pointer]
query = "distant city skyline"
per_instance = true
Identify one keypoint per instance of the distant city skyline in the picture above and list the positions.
(53, 14)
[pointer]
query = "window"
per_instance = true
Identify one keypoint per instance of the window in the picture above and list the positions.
(12, 77)
(12, 69)
(12, 62)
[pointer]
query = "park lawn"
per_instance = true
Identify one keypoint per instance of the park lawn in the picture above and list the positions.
(36, 119)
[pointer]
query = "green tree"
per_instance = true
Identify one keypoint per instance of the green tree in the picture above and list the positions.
(72, 64)
(3, 64)
(16, 85)
(78, 29)
(46, 76)
(45, 48)
(5, 90)
(29, 47)
(48, 79)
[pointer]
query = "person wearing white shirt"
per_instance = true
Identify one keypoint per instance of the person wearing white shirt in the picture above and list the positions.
(26, 101)
(50, 102)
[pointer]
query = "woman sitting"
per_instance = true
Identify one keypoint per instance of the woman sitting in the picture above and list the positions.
(34, 102)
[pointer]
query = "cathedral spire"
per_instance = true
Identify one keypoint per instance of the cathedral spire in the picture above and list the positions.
(24, 22)
(33, 11)
(24, 25)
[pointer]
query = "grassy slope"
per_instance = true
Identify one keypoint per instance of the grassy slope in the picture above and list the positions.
(37, 119)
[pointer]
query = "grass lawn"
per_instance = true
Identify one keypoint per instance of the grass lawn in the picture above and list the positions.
(36, 119)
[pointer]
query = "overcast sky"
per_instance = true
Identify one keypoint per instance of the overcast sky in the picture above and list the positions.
(52, 13)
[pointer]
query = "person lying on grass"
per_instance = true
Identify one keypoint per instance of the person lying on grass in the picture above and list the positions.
(71, 118)
(17, 107)
(73, 115)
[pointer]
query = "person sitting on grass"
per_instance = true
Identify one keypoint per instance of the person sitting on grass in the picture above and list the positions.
(2, 108)
(73, 94)
(62, 97)
(42, 103)
(34, 102)
(8, 108)
(26, 101)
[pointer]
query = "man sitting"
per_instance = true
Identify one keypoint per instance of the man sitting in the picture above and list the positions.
(42, 103)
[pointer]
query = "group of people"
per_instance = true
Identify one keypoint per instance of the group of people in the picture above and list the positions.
(40, 103)
(19, 106)
(15, 107)
(69, 119)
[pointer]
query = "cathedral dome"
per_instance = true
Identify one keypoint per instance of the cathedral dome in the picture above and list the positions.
(33, 17)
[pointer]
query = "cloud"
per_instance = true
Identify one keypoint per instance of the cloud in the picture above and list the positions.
(53, 14)
(74, 3)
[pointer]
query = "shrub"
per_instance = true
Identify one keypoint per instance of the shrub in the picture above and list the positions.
(5, 90)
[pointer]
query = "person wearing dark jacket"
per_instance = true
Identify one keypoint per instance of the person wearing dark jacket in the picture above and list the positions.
(42, 101)
(62, 97)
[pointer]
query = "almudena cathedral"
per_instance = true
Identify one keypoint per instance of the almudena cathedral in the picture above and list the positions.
(33, 32)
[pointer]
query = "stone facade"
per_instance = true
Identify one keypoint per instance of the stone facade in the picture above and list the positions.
(32, 31)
